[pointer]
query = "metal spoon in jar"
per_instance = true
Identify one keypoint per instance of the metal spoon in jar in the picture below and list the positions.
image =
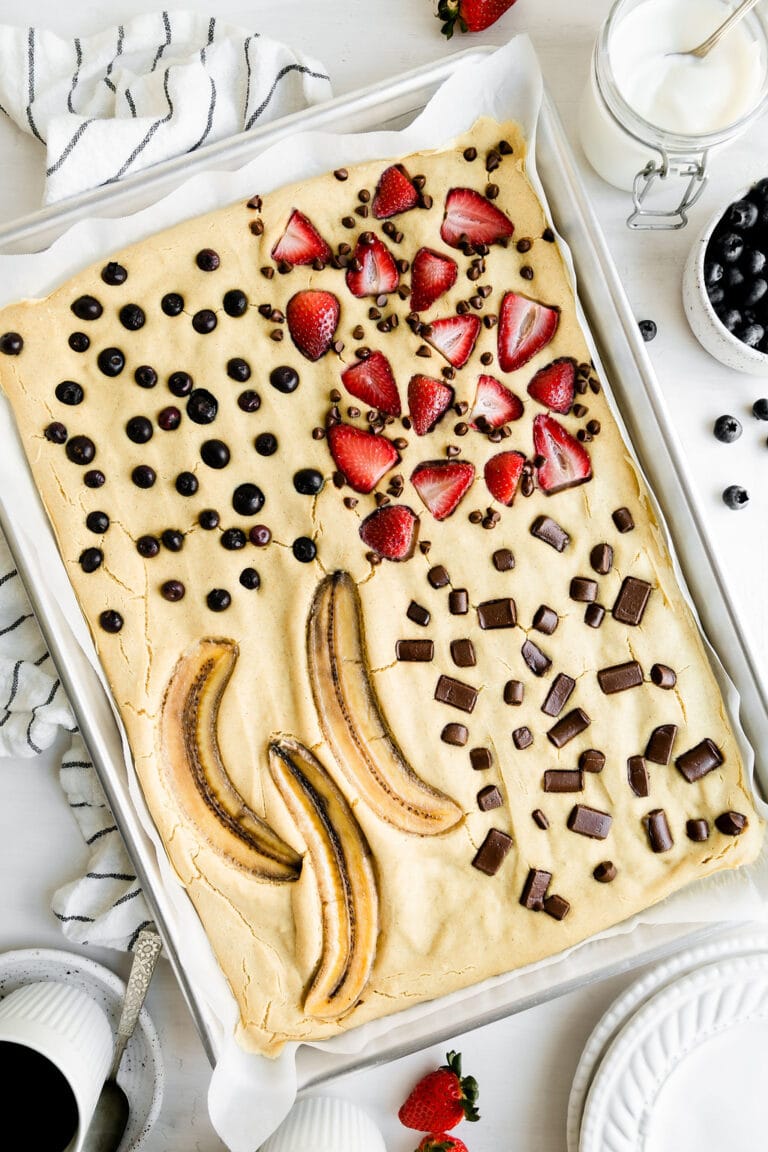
(112, 1108)
(708, 44)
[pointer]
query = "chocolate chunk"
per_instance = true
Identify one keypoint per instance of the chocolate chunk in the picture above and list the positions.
(480, 759)
(514, 690)
(601, 558)
(620, 677)
(463, 653)
(558, 695)
(583, 589)
(491, 853)
(535, 889)
(631, 601)
(458, 602)
(497, 613)
(637, 774)
(622, 518)
(415, 650)
(657, 827)
(535, 658)
(539, 819)
(663, 676)
(545, 620)
(456, 734)
(489, 798)
(699, 760)
(418, 614)
(557, 907)
(660, 743)
(522, 738)
(456, 693)
(546, 529)
(605, 872)
(503, 560)
(594, 614)
(569, 726)
(592, 760)
(563, 780)
(697, 830)
(438, 576)
(731, 823)
(590, 822)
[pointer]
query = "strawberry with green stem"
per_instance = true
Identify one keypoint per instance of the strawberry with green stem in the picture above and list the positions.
(441, 1099)
(441, 1142)
(470, 15)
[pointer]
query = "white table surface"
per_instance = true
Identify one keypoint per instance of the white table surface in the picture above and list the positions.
(524, 1064)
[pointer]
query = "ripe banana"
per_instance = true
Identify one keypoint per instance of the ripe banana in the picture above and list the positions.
(341, 859)
(194, 769)
(352, 722)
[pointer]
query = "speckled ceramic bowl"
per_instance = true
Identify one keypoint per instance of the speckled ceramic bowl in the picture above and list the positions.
(704, 321)
(325, 1124)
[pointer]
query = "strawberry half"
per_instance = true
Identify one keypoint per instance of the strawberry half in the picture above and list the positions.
(374, 270)
(312, 316)
(441, 1099)
(301, 243)
(442, 485)
(470, 15)
(525, 327)
(371, 381)
(428, 400)
(554, 385)
(454, 337)
(441, 1142)
(390, 531)
(471, 217)
(494, 405)
(502, 475)
(394, 193)
(566, 462)
(431, 276)
(362, 457)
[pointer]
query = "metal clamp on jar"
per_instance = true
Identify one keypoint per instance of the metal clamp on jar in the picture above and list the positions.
(651, 116)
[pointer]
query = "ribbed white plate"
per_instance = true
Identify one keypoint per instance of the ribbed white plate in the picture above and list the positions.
(688, 1070)
(607, 1028)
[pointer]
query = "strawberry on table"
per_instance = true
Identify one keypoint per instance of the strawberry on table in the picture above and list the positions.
(373, 270)
(470, 15)
(301, 243)
(495, 405)
(442, 485)
(441, 1142)
(431, 276)
(390, 532)
(394, 193)
(371, 380)
(428, 400)
(470, 217)
(566, 463)
(454, 337)
(441, 1099)
(362, 457)
(312, 317)
(554, 385)
(525, 327)
(502, 475)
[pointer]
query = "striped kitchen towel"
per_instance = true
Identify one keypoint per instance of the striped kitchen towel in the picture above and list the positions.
(162, 84)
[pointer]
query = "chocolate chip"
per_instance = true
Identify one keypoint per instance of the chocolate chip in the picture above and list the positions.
(308, 481)
(489, 798)
(546, 529)
(143, 476)
(214, 453)
(458, 602)
(97, 522)
(539, 819)
(583, 589)
(480, 759)
(463, 653)
(535, 889)
(235, 302)
(548, 235)
(535, 658)
(657, 827)
(80, 450)
(557, 907)
(590, 822)
(620, 677)
(697, 830)
(172, 304)
(438, 576)
(594, 614)
(186, 484)
(147, 546)
(168, 419)
(563, 780)
(500, 613)
(526, 272)
(623, 520)
(418, 614)
(605, 872)
(114, 273)
(637, 775)
(514, 691)
(260, 535)
(592, 760)
(524, 245)
(558, 695)
(660, 743)
(132, 317)
(456, 693)
(631, 601)
(341, 174)
(545, 619)
(145, 376)
(503, 560)
(111, 361)
(491, 853)
(56, 432)
(456, 734)
(250, 579)
(111, 621)
(421, 651)
(207, 260)
(94, 478)
(568, 727)
(663, 676)
(249, 401)
(731, 823)
(87, 308)
(522, 738)
(208, 519)
(68, 392)
(470, 154)
(233, 539)
(78, 342)
(90, 559)
(265, 444)
(139, 429)
(218, 600)
(172, 590)
(304, 549)
(699, 760)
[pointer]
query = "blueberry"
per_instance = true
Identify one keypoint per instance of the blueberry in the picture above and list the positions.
(207, 260)
(730, 246)
(214, 453)
(713, 271)
(265, 444)
(735, 496)
(716, 295)
(284, 379)
(132, 317)
(647, 330)
(172, 304)
(249, 401)
(755, 291)
(143, 476)
(97, 522)
(202, 406)
(235, 302)
(68, 392)
(238, 369)
(249, 578)
(208, 519)
(731, 319)
(742, 214)
(145, 376)
(114, 273)
(727, 429)
(180, 383)
(247, 499)
(304, 549)
(308, 481)
(78, 342)
(760, 190)
(186, 484)
(204, 321)
(218, 600)
(87, 308)
(733, 278)
(111, 361)
(91, 559)
(750, 334)
(173, 539)
(110, 620)
(139, 429)
(760, 409)
(752, 261)
(233, 539)
(80, 450)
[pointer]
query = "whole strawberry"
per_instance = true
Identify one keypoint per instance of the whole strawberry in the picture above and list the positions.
(441, 1099)
(441, 1142)
(470, 15)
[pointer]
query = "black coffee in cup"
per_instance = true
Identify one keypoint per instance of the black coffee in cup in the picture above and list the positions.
(37, 1093)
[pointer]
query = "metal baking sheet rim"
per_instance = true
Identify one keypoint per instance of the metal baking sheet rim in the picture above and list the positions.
(623, 355)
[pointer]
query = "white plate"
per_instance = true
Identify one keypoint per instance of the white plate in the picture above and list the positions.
(141, 1072)
(687, 1072)
(737, 944)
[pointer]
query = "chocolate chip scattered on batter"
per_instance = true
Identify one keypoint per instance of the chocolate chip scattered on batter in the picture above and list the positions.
(455, 734)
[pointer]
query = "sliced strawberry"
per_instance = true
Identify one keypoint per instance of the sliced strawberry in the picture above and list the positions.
(301, 243)
(428, 400)
(390, 531)
(371, 381)
(502, 475)
(554, 386)
(374, 270)
(566, 462)
(471, 217)
(494, 405)
(312, 317)
(442, 484)
(431, 276)
(394, 193)
(362, 457)
(525, 327)
(454, 337)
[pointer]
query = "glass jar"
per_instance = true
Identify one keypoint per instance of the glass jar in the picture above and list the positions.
(636, 155)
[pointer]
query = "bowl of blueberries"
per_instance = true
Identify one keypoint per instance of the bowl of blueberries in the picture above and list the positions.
(725, 283)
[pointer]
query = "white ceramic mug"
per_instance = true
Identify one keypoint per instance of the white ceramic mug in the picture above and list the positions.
(55, 1051)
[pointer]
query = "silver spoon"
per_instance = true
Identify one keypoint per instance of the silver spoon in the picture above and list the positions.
(111, 1115)
(708, 44)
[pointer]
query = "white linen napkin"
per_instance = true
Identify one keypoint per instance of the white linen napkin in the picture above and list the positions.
(162, 84)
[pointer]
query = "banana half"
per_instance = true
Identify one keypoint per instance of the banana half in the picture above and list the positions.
(194, 769)
(351, 718)
(341, 859)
